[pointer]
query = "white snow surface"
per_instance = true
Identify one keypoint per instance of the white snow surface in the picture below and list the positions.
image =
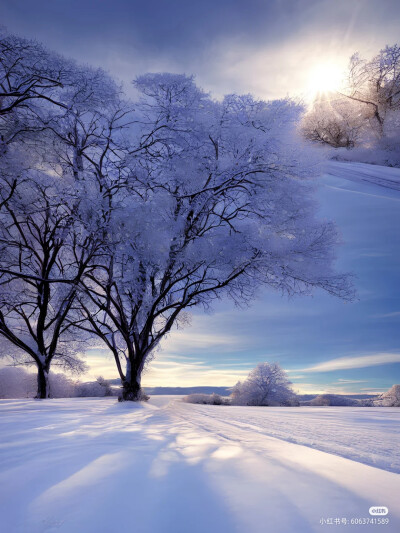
(387, 177)
(96, 466)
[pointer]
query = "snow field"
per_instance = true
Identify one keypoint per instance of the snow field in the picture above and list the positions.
(93, 465)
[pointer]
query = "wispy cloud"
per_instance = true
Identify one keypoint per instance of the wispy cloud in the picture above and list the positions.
(346, 381)
(394, 314)
(346, 363)
(204, 334)
(101, 364)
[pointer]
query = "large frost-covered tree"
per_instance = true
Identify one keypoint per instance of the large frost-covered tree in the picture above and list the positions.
(28, 74)
(217, 203)
(116, 222)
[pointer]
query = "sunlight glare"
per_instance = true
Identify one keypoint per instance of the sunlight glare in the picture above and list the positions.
(325, 77)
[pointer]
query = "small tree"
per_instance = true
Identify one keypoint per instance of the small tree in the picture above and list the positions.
(267, 384)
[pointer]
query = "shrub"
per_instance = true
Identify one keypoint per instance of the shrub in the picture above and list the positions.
(333, 400)
(206, 399)
(17, 383)
(390, 398)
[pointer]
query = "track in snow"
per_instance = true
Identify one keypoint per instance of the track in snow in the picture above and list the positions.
(96, 466)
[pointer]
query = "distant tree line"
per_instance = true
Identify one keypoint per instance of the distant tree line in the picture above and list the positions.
(16, 382)
(268, 385)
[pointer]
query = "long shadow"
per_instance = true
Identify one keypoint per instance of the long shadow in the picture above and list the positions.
(137, 469)
(99, 478)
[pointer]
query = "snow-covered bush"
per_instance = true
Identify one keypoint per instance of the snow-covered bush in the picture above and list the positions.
(106, 386)
(390, 398)
(267, 384)
(366, 402)
(98, 388)
(333, 399)
(61, 386)
(208, 399)
(17, 383)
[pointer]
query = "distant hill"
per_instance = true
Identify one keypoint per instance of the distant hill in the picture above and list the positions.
(306, 397)
(222, 391)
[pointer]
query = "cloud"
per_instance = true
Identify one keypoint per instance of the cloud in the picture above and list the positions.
(346, 363)
(188, 341)
(182, 374)
(101, 365)
(394, 314)
(346, 381)
(173, 370)
(265, 47)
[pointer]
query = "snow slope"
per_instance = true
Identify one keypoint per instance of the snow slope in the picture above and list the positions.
(96, 466)
(386, 177)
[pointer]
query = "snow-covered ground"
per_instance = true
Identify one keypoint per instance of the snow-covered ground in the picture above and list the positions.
(387, 177)
(368, 435)
(96, 466)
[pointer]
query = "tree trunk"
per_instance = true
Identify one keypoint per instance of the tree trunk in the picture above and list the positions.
(131, 386)
(43, 390)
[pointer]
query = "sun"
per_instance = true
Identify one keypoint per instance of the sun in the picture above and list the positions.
(324, 78)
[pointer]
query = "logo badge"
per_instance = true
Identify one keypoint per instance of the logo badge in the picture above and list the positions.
(378, 511)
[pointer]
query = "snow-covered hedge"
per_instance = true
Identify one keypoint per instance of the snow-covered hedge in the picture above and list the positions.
(208, 399)
(18, 383)
(333, 399)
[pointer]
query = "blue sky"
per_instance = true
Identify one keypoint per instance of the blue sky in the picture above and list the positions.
(325, 344)
(269, 48)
